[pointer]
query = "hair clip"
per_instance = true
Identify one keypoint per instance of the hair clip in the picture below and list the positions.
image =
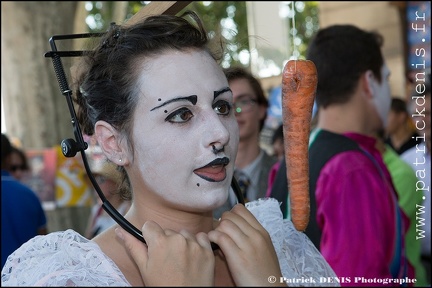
(110, 43)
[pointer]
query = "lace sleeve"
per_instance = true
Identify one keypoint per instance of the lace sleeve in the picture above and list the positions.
(68, 259)
(61, 259)
(301, 263)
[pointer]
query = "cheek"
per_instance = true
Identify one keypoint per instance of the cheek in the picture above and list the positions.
(383, 99)
(385, 96)
(391, 120)
(163, 157)
(159, 170)
(160, 155)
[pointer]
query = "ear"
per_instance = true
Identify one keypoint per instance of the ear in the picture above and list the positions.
(109, 140)
(368, 82)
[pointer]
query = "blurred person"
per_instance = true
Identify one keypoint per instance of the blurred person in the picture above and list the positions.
(22, 214)
(253, 163)
(18, 164)
(350, 184)
(109, 180)
(156, 99)
(419, 158)
(400, 131)
(405, 179)
(277, 142)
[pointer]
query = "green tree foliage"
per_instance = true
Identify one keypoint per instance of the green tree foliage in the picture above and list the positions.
(306, 24)
(229, 19)
(225, 18)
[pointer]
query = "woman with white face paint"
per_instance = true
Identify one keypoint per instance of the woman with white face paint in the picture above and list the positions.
(161, 109)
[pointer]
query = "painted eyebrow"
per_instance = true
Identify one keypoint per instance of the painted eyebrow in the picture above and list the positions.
(193, 99)
(221, 91)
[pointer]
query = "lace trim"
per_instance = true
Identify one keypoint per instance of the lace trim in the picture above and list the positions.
(300, 261)
(68, 259)
(61, 259)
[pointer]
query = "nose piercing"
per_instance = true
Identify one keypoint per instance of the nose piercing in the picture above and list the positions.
(216, 151)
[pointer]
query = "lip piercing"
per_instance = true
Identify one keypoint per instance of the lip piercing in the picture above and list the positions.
(216, 151)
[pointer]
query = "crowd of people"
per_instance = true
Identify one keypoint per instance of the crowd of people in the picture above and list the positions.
(172, 148)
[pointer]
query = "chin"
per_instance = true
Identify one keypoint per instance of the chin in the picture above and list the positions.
(216, 200)
(211, 201)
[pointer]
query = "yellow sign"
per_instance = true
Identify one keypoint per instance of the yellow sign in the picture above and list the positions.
(72, 186)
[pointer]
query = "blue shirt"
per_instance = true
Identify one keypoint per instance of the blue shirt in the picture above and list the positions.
(21, 215)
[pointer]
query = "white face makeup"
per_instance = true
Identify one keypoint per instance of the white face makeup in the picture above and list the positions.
(382, 95)
(184, 110)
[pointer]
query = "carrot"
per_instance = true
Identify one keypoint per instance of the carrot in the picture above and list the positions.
(299, 81)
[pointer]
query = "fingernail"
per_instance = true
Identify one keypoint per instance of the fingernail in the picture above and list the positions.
(119, 233)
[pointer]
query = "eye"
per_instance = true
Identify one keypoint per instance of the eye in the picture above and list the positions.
(179, 116)
(222, 107)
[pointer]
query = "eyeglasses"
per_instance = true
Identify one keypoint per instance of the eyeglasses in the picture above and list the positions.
(15, 168)
(244, 105)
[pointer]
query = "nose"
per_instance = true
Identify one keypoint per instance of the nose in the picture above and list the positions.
(216, 133)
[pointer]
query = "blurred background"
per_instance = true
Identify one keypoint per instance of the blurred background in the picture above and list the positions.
(261, 36)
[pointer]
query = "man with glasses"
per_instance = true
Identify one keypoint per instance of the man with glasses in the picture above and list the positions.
(252, 164)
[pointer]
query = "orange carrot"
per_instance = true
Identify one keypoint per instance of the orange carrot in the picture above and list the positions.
(299, 81)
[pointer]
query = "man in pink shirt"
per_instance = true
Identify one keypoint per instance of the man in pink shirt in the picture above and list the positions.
(356, 221)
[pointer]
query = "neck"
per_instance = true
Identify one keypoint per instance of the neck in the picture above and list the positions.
(154, 209)
(343, 118)
(248, 151)
(141, 211)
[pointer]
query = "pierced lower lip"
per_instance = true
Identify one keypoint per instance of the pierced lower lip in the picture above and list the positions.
(212, 174)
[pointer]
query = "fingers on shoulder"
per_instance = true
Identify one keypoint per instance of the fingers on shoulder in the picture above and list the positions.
(239, 214)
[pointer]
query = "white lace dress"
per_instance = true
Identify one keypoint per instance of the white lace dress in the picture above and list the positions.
(68, 259)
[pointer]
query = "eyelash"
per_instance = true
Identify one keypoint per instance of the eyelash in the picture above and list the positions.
(218, 106)
(220, 103)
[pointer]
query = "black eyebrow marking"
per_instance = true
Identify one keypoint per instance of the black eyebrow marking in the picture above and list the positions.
(221, 91)
(193, 99)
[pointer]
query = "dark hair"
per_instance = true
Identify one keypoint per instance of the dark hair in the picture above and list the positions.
(341, 54)
(107, 89)
(6, 147)
(278, 134)
(234, 73)
(23, 157)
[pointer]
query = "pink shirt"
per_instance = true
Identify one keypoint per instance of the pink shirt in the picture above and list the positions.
(272, 175)
(356, 214)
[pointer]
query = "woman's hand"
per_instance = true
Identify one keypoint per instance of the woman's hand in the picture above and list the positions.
(247, 247)
(171, 258)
